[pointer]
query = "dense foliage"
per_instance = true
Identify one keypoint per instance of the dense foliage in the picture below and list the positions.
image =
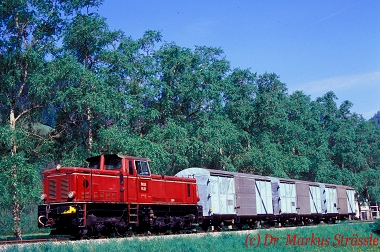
(71, 88)
(376, 226)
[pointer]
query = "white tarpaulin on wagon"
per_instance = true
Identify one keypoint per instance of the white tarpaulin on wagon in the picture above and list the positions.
(264, 204)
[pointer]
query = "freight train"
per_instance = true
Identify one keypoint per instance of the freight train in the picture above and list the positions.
(117, 194)
(252, 200)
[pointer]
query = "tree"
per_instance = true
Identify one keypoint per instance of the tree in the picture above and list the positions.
(85, 102)
(376, 118)
(239, 96)
(29, 30)
(132, 71)
(270, 123)
(299, 138)
(189, 82)
(367, 151)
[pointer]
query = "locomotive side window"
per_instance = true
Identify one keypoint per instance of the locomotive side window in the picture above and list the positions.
(131, 172)
(112, 163)
(94, 164)
(142, 168)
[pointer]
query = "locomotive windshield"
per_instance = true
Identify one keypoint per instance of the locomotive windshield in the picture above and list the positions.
(142, 168)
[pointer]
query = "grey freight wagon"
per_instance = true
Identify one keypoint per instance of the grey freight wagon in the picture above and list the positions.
(247, 199)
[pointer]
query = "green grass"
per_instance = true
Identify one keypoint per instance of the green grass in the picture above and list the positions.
(327, 236)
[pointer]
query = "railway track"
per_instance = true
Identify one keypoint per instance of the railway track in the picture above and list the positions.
(145, 235)
(33, 240)
(132, 235)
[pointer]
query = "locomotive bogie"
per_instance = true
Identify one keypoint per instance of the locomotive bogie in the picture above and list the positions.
(94, 219)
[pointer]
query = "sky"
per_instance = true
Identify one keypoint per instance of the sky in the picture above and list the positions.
(315, 46)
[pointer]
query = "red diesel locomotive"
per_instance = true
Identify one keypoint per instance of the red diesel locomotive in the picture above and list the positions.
(116, 194)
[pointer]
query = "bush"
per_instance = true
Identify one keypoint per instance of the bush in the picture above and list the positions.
(376, 226)
(29, 221)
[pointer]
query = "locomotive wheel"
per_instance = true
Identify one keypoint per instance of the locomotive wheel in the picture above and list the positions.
(77, 233)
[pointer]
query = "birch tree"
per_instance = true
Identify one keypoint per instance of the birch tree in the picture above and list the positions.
(29, 31)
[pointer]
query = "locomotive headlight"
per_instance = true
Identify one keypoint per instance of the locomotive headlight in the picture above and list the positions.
(43, 196)
(71, 195)
(58, 167)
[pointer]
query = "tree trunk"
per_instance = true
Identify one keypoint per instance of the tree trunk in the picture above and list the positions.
(16, 217)
(16, 207)
(90, 137)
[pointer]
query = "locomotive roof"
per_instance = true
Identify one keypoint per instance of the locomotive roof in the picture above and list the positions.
(115, 156)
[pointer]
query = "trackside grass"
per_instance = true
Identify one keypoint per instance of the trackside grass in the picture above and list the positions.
(338, 237)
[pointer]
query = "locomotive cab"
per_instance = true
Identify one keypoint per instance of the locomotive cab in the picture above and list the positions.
(114, 162)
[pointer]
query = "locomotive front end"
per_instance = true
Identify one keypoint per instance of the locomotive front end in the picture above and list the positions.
(65, 193)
